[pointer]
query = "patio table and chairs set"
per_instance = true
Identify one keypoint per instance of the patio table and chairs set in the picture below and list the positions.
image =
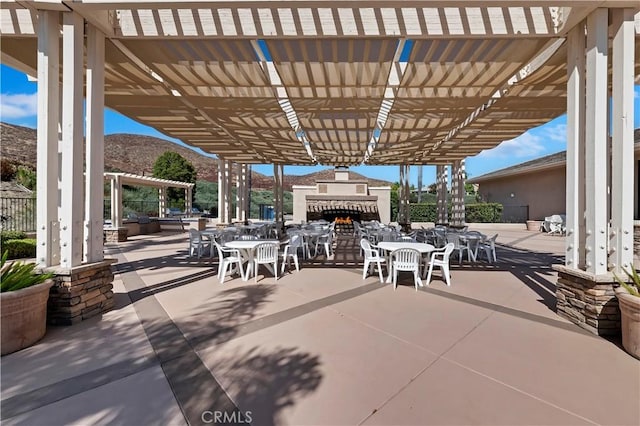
(420, 251)
(242, 249)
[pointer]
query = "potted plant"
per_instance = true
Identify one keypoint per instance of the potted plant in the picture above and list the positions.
(628, 295)
(23, 304)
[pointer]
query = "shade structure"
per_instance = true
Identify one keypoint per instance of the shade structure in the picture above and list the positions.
(335, 83)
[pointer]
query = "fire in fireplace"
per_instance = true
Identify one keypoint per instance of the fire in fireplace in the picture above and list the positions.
(344, 220)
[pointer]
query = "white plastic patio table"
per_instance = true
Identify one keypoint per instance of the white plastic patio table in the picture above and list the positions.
(389, 246)
(246, 248)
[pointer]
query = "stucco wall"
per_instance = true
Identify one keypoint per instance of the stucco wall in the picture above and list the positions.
(300, 201)
(384, 202)
(544, 192)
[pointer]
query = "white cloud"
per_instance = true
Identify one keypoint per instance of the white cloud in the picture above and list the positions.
(525, 145)
(18, 106)
(556, 133)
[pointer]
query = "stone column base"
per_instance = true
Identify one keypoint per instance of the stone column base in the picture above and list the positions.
(80, 293)
(116, 235)
(588, 300)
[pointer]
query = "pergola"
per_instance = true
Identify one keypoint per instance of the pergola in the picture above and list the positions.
(116, 181)
(337, 83)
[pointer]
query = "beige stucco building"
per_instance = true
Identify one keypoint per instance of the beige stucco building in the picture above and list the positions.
(353, 196)
(539, 184)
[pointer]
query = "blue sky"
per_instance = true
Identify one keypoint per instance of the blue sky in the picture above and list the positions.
(18, 106)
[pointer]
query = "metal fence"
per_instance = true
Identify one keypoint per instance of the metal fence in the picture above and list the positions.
(18, 214)
(138, 207)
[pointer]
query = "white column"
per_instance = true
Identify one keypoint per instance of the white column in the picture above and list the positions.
(457, 192)
(48, 250)
(113, 194)
(403, 195)
(407, 195)
(401, 189)
(116, 202)
(278, 172)
(188, 202)
(622, 139)
(222, 181)
(72, 182)
(94, 197)
(229, 190)
(441, 194)
(239, 191)
(247, 191)
(162, 202)
(596, 142)
(575, 241)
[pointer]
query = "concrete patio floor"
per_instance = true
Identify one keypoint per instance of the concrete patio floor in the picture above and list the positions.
(322, 346)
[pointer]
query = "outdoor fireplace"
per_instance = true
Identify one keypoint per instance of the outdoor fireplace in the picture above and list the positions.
(341, 200)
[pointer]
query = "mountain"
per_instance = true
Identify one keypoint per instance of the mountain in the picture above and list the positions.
(136, 154)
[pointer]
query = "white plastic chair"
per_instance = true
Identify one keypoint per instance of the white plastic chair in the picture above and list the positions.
(406, 260)
(458, 245)
(265, 254)
(326, 241)
(296, 242)
(489, 248)
(440, 258)
(248, 237)
(371, 257)
(197, 244)
(226, 258)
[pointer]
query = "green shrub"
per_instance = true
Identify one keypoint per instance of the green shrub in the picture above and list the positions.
(423, 212)
(19, 249)
(483, 213)
(11, 235)
(474, 213)
(18, 275)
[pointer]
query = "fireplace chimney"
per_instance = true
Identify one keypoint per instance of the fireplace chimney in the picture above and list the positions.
(341, 173)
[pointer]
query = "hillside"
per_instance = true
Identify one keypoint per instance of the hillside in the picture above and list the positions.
(136, 154)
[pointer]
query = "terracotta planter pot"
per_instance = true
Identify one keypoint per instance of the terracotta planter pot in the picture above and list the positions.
(23, 316)
(630, 312)
(534, 225)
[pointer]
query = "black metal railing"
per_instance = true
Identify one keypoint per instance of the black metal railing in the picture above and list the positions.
(18, 214)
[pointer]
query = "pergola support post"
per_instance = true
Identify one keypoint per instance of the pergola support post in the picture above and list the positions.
(576, 70)
(47, 234)
(228, 205)
(458, 193)
(278, 173)
(188, 200)
(404, 214)
(94, 198)
(222, 183)
(622, 141)
(441, 194)
(585, 289)
(241, 171)
(72, 185)
(162, 202)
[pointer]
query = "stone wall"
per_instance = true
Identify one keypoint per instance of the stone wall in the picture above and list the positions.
(115, 235)
(81, 293)
(588, 301)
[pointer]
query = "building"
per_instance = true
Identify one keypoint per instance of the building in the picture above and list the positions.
(539, 185)
(353, 198)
